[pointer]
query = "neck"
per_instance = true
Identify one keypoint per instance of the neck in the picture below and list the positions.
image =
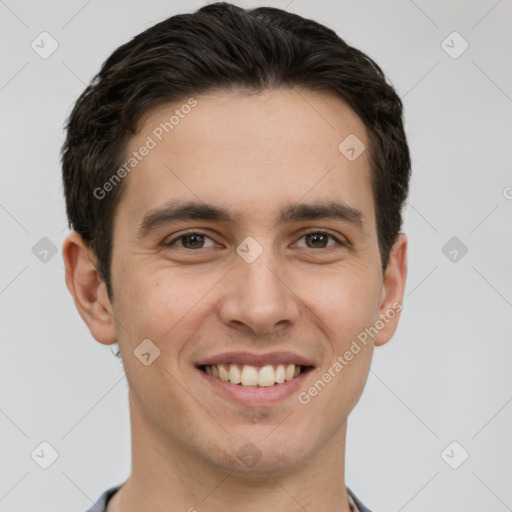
(168, 478)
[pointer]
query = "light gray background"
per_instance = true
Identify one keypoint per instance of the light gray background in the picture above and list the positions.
(446, 374)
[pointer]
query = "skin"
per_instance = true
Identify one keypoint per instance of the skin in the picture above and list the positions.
(252, 154)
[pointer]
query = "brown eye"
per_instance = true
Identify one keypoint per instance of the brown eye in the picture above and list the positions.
(319, 240)
(191, 241)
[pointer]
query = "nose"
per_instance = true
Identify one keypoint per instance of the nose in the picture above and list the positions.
(256, 297)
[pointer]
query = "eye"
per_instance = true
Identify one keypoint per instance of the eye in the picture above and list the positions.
(190, 240)
(319, 239)
(196, 240)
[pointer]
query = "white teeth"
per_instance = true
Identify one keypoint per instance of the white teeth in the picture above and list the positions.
(223, 374)
(290, 372)
(280, 374)
(235, 376)
(249, 376)
(263, 376)
(266, 376)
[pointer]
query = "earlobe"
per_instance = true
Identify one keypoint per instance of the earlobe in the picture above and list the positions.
(393, 288)
(87, 288)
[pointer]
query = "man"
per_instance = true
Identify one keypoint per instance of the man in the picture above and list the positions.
(235, 179)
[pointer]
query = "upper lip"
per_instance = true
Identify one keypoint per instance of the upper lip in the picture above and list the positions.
(256, 359)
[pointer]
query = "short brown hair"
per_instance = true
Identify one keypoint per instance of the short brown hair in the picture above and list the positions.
(224, 46)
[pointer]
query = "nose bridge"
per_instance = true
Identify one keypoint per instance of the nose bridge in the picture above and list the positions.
(261, 276)
(257, 295)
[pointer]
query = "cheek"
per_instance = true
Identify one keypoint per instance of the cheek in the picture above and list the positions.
(161, 304)
(347, 306)
(347, 303)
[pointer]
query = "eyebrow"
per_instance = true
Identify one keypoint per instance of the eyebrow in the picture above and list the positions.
(195, 210)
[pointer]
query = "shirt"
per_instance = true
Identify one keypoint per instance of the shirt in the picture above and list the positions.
(101, 504)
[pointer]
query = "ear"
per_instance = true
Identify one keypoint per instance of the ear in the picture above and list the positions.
(88, 289)
(392, 295)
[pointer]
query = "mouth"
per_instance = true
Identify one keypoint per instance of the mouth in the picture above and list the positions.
(255, 380)
(255, 376)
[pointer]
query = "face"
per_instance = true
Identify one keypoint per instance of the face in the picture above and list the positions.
(276, 263)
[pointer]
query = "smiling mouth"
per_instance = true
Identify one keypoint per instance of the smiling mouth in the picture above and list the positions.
(255, 376)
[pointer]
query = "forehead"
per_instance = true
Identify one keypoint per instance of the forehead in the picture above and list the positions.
(249, 151)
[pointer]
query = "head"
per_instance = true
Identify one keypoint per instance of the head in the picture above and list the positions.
(240, 121)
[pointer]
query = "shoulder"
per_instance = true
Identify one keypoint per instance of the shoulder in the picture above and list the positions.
(101, 504)
(358, 503)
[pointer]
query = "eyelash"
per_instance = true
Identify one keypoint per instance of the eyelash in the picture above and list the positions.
(190, 233)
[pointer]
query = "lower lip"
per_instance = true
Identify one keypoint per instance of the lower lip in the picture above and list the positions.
(257, 395)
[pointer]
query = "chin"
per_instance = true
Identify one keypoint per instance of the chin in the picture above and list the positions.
(258, 456)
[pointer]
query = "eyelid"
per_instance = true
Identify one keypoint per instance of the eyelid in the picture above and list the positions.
(185, 233)
(300, 234)
(336, 237)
